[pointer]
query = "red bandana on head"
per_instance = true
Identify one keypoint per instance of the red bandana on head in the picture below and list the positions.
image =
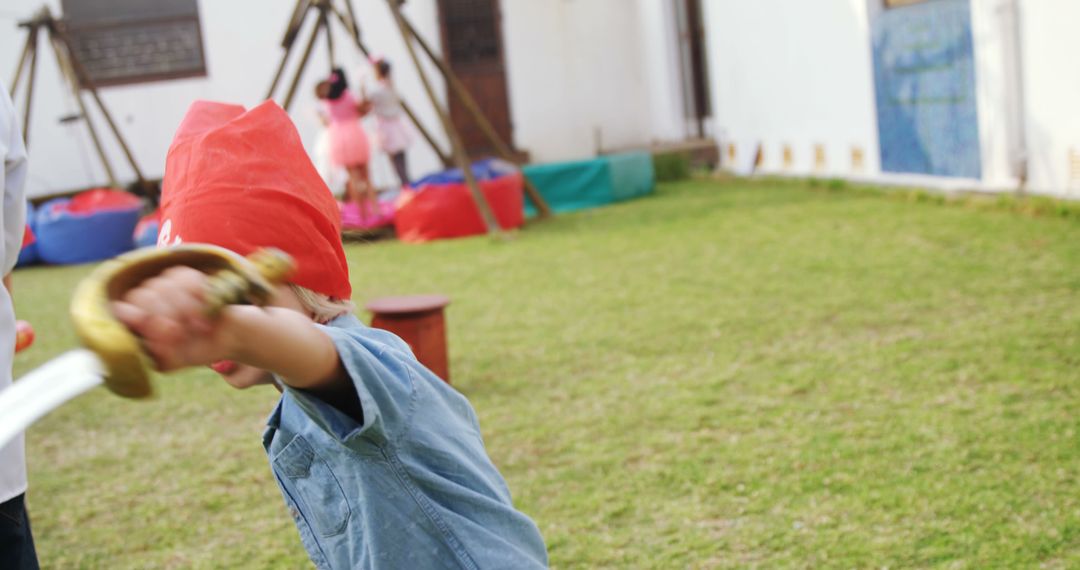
(242, 180)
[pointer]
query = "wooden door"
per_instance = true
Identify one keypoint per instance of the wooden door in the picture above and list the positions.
(473, 45)
(693, 64)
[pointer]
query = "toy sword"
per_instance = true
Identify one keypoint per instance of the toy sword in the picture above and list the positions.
(112, 354)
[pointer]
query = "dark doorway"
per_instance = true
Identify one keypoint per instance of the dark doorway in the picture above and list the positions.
(473, 45)
(693, 64)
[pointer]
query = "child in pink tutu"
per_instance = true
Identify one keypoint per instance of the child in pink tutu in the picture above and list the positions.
(392, 133)
(349, 147)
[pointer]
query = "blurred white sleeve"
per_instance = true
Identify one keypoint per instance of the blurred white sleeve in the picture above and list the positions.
(13, 182)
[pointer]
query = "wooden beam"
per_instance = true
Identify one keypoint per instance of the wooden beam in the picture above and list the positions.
(460, 157)
(463, 94)
(353, 27)
(324, 9)
(295, 23)
(350, 24)
(303, 63)
(73, 82)
(33, 41)
(14, 85)
(83, 78)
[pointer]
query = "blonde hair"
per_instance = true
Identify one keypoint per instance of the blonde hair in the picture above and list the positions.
(323, 309)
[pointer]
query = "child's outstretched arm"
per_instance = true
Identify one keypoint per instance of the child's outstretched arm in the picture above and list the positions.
(168, 313)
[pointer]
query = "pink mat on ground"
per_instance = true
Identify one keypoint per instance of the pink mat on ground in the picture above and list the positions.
(351, 220)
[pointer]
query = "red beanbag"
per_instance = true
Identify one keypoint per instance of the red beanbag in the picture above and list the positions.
(440, 211)
(102, 200)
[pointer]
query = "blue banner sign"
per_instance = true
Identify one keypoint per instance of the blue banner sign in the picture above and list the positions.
(924, 73)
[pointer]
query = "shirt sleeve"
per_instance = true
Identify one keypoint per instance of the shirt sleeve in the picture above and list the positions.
(13, 182)
(380, 367)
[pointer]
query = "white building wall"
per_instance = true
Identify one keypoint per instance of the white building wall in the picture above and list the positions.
(791, 72)
(241, 39)
(1052, 93)
(603, 74)
(575, 78)
(796, 73)
(992, 30)
(658, 37)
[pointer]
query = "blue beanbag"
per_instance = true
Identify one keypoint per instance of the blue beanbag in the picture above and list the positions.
(487, 169)
(92, 226)
(146, 231)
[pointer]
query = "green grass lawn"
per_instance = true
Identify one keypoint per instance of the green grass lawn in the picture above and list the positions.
(723, 375)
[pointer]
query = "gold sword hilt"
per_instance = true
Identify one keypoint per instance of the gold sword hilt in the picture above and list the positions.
(233, 280)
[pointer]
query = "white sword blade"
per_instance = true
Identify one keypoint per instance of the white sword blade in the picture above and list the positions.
(47, 388)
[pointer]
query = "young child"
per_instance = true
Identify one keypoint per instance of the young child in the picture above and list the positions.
(349, 147)
(381, 463)
(392, 133)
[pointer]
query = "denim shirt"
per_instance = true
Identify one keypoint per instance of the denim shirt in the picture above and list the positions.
(411, 487)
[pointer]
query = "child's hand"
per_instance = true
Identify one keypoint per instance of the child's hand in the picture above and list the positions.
(169, 313)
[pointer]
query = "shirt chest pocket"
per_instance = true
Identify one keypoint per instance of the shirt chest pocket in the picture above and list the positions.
(323, 502)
